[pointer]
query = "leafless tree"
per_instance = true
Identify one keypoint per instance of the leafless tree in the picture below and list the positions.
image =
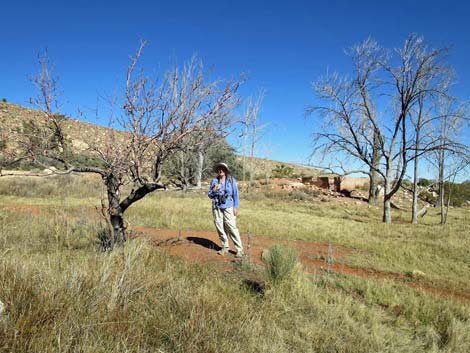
(156, 120)
(451, 156)
(191, 160)
(383, 145)
(251, 132)
(420, 121)
(436, 130)
(350, 127)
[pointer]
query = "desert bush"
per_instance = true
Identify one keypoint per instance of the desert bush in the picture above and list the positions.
(425, 182)
(304, 194)
(281, 263)
(460, 193)
(428, 197)
(282, 171)
(299, 195)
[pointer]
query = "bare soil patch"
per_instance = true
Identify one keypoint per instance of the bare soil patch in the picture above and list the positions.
(202, 246)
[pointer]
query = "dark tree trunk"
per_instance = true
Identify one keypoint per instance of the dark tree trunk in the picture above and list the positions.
(374, 175)
(373, 188)
(116, 208)
(115, 211)
(387, 212)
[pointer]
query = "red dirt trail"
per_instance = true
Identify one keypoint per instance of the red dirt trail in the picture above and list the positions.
(202, 246)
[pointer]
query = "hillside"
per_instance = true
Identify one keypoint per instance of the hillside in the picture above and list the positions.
(84, 134)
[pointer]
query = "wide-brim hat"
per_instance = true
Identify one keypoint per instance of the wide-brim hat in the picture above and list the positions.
(223, 165)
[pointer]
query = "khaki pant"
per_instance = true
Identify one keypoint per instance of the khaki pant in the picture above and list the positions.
(226, 223)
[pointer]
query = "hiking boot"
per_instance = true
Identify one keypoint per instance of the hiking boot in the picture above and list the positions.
(223, 251)
(240, 254)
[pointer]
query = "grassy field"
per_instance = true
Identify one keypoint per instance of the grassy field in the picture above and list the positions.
(62, 294)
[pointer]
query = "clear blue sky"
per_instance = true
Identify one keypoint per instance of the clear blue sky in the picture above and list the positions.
(282, 45)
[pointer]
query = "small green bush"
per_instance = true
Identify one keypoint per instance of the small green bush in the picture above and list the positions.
(282, 171)
(425, 182)
(281, 262)
(428, 197)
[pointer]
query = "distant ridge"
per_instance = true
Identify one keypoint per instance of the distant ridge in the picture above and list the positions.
(83, 135)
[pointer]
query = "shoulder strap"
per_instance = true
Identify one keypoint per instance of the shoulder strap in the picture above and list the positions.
(230, 181)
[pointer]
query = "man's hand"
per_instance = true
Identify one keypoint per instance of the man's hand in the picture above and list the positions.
(235, 212)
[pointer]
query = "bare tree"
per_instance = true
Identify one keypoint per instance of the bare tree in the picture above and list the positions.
(436, 133)
(350, 122)
(252, 129)
(352, 127)
(191, 159)
(157, 120)
(418, 76)
(450, 155)
(421, 118)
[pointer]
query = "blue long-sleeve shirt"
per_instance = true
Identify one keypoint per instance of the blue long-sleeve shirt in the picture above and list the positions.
(228, 188)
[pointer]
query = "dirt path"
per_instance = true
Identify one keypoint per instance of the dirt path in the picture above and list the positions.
(202, 246)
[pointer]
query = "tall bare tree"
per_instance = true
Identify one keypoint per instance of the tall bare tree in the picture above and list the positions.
(156, 120)
(436, 127)
(451, 156)
(350, 121)
(351, 124)
(251, 133)
(421, 118)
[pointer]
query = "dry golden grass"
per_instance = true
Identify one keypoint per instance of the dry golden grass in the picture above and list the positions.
(61, 294)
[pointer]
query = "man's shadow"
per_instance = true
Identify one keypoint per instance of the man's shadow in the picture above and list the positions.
(209, 244)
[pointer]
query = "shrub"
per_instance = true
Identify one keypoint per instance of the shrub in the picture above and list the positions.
(428, 197)
(281, 262)
(283, 171)
(460, 193)
(425, 182)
